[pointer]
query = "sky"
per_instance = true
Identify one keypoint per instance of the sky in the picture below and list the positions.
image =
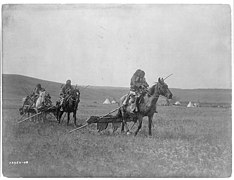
(104, 44)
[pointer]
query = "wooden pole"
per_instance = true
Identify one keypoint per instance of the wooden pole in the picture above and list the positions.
(29, 117)
(167, 77)
(22, 117)
(32, 116)
(109, 112)
(99, 117)
(86, 87)
(79, 127)
(133, 125)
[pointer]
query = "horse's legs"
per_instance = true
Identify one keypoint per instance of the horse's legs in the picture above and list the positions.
(36, 117)
(139, 125)
(122, 127)
(124, 123)
(150, 124)
(57, 115)
(60, 113)
(74, 116)
(123, 119)
(68, 118)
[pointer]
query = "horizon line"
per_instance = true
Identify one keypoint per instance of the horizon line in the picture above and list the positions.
(114, 86)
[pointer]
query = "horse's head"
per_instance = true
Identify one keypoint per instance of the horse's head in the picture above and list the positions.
(163, 89)
(42, 94)
(75, 93)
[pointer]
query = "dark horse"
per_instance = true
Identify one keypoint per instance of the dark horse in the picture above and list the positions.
(146, 106)
(27, 106)
(69, 105)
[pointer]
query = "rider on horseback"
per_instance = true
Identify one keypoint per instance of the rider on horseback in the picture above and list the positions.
(65, 92)
(36, 92)
(138, 87)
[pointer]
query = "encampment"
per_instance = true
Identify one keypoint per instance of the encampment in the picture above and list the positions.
(196, 104)
(113, 102)
(107, 101)
(177, 103)
(190, 104)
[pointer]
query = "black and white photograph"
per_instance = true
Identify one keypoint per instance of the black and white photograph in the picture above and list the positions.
(117, 90)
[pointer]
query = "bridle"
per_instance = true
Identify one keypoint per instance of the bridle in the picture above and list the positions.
(159, 90)
(74, 96)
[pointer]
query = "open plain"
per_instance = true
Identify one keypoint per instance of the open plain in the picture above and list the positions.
(186, 142)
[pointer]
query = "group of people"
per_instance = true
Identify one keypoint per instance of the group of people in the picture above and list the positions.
(65, 91)
(138, 86)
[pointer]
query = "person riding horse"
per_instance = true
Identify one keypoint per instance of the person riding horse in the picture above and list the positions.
(68, 102)
(65, 92)
(36, 92)
(138, 86)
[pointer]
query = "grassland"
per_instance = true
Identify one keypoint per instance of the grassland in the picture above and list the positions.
(186, 142)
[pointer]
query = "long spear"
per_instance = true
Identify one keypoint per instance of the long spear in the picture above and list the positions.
(167, 77)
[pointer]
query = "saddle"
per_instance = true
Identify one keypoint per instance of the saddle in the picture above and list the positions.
(133, 100)
(65, 99)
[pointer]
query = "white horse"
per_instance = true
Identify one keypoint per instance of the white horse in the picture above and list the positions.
(39, 103)
(40, 99)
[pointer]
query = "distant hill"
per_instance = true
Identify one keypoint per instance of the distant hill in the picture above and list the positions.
(216, 96)
(15, 87)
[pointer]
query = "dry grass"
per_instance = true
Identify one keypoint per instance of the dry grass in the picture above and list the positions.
(186, 142)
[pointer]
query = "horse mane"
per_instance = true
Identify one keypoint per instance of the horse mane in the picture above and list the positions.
(151, 90)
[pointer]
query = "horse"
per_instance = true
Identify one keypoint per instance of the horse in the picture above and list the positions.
(146, 106)
(69, 105)
(40, 100)
(27, 106)
(32, 106)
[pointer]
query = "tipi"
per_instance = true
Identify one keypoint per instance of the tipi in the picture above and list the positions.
(177, 103)
(113, 102)
(107, 101)
(196, 104)
(190, 104)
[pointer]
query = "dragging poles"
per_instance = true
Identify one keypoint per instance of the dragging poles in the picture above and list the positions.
(110, 112)
(99, 118)
(79, 127)
(32, 115)
(29, 117)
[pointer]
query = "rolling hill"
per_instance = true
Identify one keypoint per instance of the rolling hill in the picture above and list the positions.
(15, 87)
(200, 136)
